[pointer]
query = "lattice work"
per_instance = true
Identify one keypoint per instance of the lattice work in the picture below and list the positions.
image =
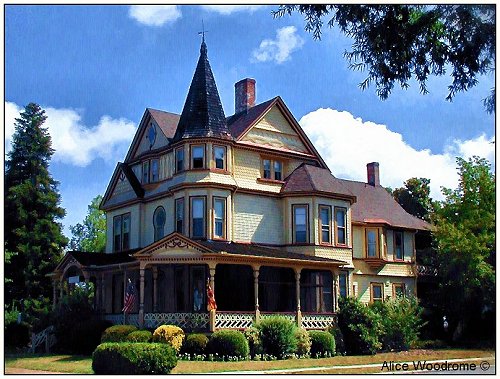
(318, 321)
(186, 321)
(233, 320)
(133, 319)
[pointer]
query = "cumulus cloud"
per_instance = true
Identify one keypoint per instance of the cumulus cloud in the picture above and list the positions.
(279, 49)
(154, 15)
(76, 143)
(229, 9)
(347, 144)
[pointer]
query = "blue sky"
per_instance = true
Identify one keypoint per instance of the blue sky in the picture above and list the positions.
(96, 68)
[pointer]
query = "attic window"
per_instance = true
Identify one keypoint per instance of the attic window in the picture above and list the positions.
(151, 136)
(272, 169)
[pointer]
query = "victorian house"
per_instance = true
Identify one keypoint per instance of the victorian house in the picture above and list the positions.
(247, 204)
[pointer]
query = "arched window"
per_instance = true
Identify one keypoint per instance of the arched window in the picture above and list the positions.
(159, 218)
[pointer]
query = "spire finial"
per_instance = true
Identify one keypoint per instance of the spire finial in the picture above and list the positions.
(202, 33)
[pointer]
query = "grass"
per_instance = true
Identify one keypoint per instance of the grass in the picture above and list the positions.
(83, 364)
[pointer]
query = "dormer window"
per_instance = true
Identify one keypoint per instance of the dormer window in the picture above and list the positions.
(179, 159)
(155, 170)
(145, 172)
(278, 170)
(150, 171)
(198, 156)
(266, 165)
(220, 157)
(272, 169)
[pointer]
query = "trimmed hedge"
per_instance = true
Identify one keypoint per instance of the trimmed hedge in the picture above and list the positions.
(140, 336)
(322, 344)
(195, 344)
(277, 336)
(303, 342)
(133, 358)
(228, 343)
(171, 334)
(117, 333)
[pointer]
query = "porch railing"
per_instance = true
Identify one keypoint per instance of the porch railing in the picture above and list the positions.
(117, 318)
(318, 321)
(234, 320)
(185, 320)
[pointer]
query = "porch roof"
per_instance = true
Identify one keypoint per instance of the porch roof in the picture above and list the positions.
(103, 259)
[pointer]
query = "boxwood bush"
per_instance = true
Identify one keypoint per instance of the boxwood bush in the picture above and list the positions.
(133, 358)
(277, 336)
(322, 344)
(117, 333)
(140, 336)
(195, 344)
(303, 342)
(171, 334)
(228, 343)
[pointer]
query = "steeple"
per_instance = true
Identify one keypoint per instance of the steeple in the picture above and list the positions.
(202, 115)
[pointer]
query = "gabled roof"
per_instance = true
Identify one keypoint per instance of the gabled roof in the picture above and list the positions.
(202, 115)
(309, 179)
(132, 179)
(375, 205)
(166, 121)
(89, 259)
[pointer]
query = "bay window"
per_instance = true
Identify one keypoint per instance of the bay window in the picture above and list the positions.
(300, 223)
(219, 218)
(198, 212)
(325, 218)
(198, 156)
(179, 215)
(340, 223)
(371, 243)
(220, 157)
(398, 246)
(179, 159)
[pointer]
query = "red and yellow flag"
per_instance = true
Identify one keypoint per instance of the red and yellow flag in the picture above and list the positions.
(211, 304)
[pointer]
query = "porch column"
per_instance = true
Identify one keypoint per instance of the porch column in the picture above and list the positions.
(297, 291)
(141, 298)
(256, 292)
(54, 294)
(155, 290)
(212, 285)
(335, 290)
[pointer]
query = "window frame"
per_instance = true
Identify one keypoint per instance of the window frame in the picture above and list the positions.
(400, 285)
(400, 232)
(204, 198)
(224, 158)
(176, 220)
(294, 237)
(263, 175)
(176, 160)
(145, 172)
(320, 225)
(376, 284)
(191, 157)
(337, 227)
(377, 239)
(272, 171)
(346, 273)
(151, 177)
(121, 217)
(276, 161)
(155, 227)
(224, 218)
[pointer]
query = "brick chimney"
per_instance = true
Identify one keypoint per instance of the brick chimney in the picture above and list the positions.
(244, 92)
(373, 174)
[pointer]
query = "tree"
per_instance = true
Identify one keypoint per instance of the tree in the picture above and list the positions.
(91, 235)
(414, 197)
(397, 43)
(32, 234)
(465, 242)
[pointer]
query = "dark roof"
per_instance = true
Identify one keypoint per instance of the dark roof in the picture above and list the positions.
(261, 251)
(134, 182)
(202, 115)
(308, 178)
(103, 259)
(240, 122)
(166, 121)
(375, 205)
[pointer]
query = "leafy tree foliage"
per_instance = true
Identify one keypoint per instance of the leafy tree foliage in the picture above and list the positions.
(91, 235)
(395, 43)
(414, 197)
(465, 242)
(32, 233)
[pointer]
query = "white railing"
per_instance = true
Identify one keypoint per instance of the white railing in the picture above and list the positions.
(186, 321)
(47, 336)
(318, 321)
(233, 320)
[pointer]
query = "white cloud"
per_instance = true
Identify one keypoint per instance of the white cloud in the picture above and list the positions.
(280, 49)
(78, 144)
(154, 15)
(229, 9)
(347, 144)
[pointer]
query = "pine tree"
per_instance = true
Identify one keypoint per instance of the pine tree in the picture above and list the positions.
(32, 231)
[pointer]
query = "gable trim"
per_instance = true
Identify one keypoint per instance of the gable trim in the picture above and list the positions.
(171, 241)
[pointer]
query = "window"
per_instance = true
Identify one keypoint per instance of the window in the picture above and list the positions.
(398, 290)
(179, 215)
(219, 218)
(198, 156)
(220, 157)
(341, 222)
(179, 159)
(372, 243)
(398, 246)
(316, 291)
(325, 219)
(145, 172)
(266, 165)
(377, 292)
(278, 170)
(159, 218)
(300, 221)
(155, 170)
(198, 217)
(121, 232)
(343, 277)
(150, 171)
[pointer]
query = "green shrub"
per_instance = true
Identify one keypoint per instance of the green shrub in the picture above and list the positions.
(360, 326)
(429, 344)
(195, 344)
(303, 342)
(140, 336)
(254, 343)
(117, 333)
(17, 335)
(339, 339)
(171, 334)
(322, 344)
(228, 343)
(277, 336)
(401, 322)
(133, 358)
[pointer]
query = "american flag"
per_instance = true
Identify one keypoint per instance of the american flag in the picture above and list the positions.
(211, 304)
(129, 297)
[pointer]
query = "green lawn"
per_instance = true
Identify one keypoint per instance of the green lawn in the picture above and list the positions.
(83, 364)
